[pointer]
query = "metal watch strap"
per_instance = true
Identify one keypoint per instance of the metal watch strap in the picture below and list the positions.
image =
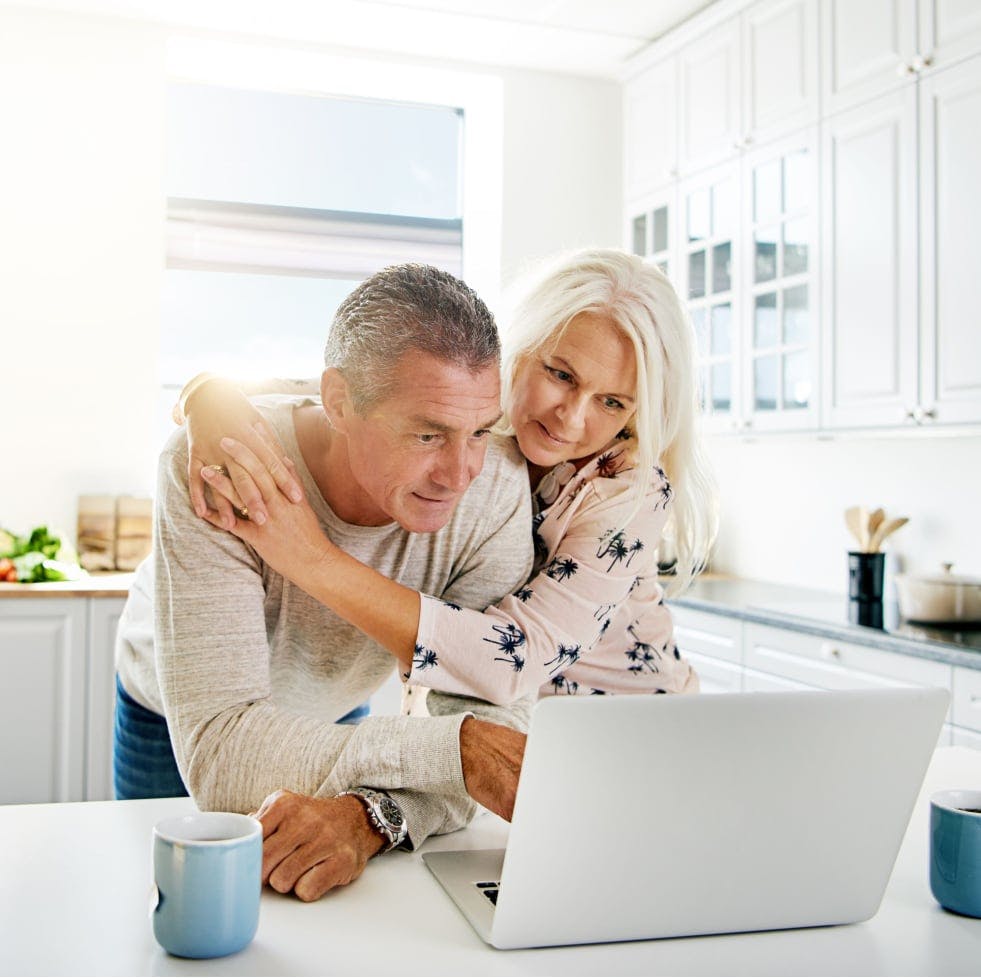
(374, 803)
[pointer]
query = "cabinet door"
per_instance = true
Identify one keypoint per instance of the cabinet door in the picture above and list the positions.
(780, 55)
(965, 709)
(101, 696)
(651, 129)
(709, 250)
(869, 49)
(42, 700)
(949, 30)
(715, 675)
(869, 240)
(711, 636)
(950, 154)
(652, 231)
(709, 128)
(780, 359)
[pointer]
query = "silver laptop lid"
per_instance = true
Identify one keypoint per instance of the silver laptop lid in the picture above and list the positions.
(643, 817)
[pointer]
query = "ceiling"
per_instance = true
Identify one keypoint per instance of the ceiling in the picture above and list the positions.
(581, 37)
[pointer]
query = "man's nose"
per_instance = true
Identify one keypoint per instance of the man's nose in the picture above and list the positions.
(457, 468)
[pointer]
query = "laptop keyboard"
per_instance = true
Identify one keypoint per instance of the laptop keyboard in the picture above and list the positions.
(489, 889)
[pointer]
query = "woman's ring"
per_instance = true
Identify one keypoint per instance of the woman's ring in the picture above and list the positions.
(219, 470)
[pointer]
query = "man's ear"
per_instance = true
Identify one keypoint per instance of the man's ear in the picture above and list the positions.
(336, 397)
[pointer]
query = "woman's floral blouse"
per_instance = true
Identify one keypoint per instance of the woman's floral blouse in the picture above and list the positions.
(591, 621)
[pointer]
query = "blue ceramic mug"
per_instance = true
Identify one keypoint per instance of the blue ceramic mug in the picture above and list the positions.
(208, 873)
(955, 850)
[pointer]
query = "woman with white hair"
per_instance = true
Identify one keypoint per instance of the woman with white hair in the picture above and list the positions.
(599, 390)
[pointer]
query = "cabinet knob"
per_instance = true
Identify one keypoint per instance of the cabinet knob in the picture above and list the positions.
(832, 652)
(910, 414)
(904, 70)
(928, 413)
(922, 61)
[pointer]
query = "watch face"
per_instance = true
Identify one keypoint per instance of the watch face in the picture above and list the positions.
(391, 813)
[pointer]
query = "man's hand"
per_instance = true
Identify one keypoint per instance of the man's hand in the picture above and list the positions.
(491, 755)
(310, 845)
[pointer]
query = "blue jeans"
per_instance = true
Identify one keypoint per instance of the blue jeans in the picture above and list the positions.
(143, 763)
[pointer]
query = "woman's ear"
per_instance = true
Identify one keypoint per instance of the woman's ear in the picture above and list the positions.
(336, 398)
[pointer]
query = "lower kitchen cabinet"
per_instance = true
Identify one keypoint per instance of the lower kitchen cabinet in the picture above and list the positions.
(57, 699)
(732, 655)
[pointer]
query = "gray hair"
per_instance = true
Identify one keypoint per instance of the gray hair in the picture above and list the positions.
(403, 308)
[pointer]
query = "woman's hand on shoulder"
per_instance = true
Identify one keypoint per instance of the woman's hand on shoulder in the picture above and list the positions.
(220, 409)
(286, 534)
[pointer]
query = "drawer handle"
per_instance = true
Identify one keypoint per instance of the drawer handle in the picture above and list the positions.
(976, 701)
(832, 652)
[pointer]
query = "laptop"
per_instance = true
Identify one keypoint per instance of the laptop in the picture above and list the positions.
(666, 816)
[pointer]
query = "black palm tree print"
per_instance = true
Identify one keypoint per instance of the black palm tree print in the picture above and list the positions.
(564, 657)
(603, 611)
(424, 658)
(562, 568)
(509, 639)
(523, 593)
(615, 546)
(560, 684)
(665, 492)
(453, 605)
(641, 655)
(608, 464)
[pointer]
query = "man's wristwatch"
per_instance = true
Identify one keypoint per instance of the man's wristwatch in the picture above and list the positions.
(385, 816)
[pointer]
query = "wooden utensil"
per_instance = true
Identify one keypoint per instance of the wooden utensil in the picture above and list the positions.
(853, 520)
(875, 521)
(885, 530)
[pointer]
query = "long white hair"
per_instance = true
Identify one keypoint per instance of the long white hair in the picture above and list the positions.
(638, 299)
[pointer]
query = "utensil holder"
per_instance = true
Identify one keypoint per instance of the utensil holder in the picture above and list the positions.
(865, 573)
(867, 613)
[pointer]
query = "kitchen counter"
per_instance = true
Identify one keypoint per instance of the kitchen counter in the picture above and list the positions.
(113, 584)
(831, 616)
(75, 883)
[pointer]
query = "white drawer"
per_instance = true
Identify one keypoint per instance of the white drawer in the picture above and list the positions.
(965, 738)
(715, 675)
(965, 710)
(830, 664)
(717, 636)
(755, 681)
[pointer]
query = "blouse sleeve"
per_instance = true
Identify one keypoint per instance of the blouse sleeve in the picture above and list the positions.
(557, 618)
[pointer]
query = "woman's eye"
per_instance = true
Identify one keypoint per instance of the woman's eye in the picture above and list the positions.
(559, 374)
(612, 404)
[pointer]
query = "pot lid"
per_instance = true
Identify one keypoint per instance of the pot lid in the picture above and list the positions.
(946, 576)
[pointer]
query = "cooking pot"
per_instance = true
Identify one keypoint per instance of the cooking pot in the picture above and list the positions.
(944, 598)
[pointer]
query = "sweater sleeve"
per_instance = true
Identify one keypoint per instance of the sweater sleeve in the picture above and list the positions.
(512, 649)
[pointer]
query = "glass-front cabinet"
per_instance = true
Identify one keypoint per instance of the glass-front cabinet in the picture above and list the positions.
(781, 350)
(709, 210)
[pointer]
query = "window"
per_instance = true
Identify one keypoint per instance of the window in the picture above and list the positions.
(277, 206)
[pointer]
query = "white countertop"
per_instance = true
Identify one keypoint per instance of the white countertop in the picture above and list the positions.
(75, 882)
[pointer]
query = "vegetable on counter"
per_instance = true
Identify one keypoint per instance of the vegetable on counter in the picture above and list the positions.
(40, 557)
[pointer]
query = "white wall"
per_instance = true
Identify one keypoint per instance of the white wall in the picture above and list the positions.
(783, 502)
(81, 240)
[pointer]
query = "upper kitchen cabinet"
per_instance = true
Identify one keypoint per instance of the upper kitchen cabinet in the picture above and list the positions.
(869, 49)
(875, 46)
(710, 123)
(746, 81)
(869, 268)
(950, 30)
(653, 229)
(748, 258)
(650, 109)
(950, 244)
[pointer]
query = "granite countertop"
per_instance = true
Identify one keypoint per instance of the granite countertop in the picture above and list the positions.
(831, 615)
(114, 584)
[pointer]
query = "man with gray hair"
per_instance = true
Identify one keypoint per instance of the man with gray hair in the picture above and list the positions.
(250, 675)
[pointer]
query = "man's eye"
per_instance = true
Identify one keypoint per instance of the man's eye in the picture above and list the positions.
(426, 439)
(481, 433)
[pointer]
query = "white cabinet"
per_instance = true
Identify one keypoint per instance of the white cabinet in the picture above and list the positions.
(949, 30)
(57, 698)
(950, 161)
(650, 114)
(870, 261)
(710, 128)
(869, 47)
(42, 701)
(746, 81)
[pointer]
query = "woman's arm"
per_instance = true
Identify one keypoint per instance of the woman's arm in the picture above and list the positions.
(500, 654)
(213, 407)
